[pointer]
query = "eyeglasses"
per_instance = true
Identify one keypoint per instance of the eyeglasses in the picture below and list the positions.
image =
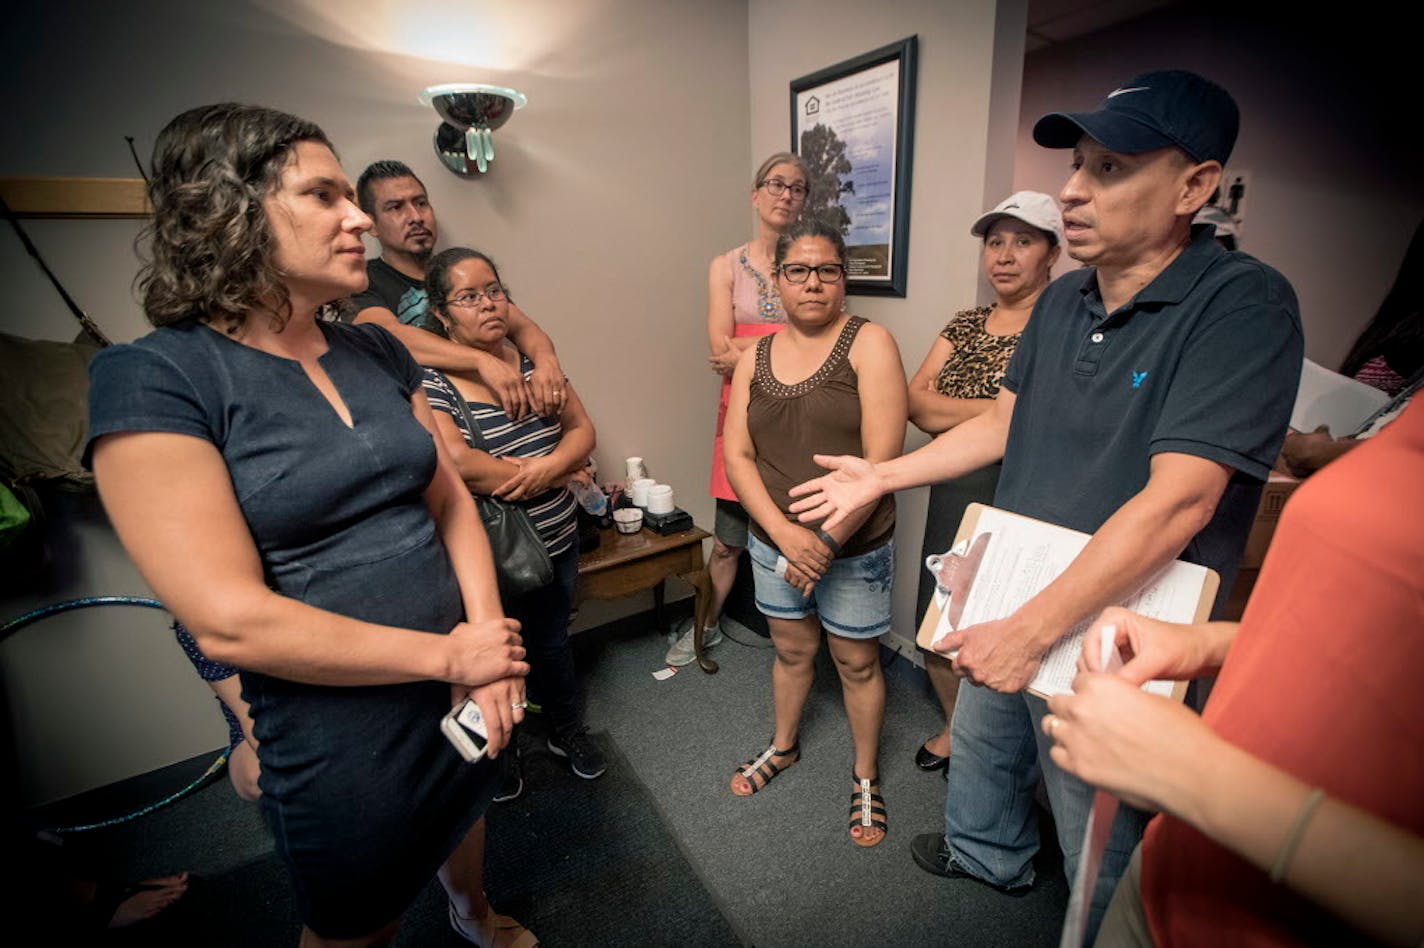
(494, 293)
(775, 187)
(800, 272)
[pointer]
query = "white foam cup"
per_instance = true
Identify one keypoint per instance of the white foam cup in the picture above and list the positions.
(638, 490)
(660, 499)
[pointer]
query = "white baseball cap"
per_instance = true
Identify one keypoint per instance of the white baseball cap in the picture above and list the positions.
(1032, 207)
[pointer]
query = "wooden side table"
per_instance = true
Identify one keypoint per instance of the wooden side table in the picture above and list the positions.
(629, 563)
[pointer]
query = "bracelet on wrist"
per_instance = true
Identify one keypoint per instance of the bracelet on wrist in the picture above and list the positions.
(829, 541)
(1295, 833)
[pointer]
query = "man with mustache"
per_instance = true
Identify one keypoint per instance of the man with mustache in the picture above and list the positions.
(396, 201)
(1144, 405)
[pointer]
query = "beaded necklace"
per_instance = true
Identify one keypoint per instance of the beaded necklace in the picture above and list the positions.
(768, 300)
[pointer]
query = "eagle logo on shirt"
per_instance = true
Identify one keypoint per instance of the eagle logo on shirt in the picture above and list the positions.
(1138, 378)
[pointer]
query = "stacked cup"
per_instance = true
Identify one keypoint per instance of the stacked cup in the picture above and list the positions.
(660, 499)
(638, 491)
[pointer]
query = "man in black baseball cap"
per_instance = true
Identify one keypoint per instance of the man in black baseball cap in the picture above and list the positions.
(1155, 110)
(1144, 405)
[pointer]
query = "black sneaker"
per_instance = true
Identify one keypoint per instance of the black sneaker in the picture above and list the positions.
(584, 755)
(513, 783)
(931, 853)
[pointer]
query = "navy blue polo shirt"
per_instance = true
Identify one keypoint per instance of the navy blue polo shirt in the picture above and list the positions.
(1204, 360)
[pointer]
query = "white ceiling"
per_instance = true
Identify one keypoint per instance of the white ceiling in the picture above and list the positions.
(1054, 21)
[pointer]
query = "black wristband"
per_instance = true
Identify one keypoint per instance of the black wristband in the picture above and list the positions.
(830, 542)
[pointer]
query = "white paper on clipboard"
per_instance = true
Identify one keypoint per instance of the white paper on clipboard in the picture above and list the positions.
(1023, 556)
(1334, 400)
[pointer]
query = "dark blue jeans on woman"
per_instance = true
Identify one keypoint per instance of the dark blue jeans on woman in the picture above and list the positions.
(544, 623)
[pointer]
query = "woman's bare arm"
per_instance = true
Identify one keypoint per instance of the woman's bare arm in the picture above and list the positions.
(723, 349)
(1157, 754)
(480, 471)
(533, 476)
(880, 383)
(459, 524)
(156, 486)
(931, 411)
(471, 560)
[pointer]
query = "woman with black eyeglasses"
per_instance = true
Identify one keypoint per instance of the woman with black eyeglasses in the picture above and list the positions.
(530, 461)
(830, 381)
(742, 305)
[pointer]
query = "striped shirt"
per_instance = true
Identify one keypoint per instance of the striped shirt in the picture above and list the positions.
(553, 512)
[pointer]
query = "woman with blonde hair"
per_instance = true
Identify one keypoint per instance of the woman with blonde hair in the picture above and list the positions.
(742, 305)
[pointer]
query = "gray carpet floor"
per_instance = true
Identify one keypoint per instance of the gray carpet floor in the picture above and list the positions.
(658, 852)
(779, 863)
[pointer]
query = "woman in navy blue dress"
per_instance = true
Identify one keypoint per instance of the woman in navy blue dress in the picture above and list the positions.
(275, 479)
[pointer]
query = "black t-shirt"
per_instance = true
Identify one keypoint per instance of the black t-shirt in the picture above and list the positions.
(393, 290)
(1205, 360)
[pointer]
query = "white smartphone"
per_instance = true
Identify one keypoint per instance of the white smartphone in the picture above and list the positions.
(464, 726)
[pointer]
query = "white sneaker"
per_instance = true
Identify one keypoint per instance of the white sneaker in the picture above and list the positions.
(682, 652)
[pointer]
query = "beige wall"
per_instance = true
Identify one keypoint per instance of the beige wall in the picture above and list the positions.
(1336, 192)
(970, 62)
(608, 195)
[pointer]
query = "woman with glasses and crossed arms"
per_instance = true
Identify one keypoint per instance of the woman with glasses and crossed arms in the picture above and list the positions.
(742, 305)
(829, 379)
(529, 461)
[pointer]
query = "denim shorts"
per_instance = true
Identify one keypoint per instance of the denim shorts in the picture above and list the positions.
(852, 599)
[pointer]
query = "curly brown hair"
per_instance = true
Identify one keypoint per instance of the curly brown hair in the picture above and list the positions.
(209, 251)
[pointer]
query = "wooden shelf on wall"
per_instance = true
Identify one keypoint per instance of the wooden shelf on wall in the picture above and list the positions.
(77, 198)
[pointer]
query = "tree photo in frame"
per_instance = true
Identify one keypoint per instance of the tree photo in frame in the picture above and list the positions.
(853, 124)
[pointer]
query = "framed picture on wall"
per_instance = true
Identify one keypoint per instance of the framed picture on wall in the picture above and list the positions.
(854, 125)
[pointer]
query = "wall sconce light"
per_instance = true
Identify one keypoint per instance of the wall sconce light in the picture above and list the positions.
(471, 112)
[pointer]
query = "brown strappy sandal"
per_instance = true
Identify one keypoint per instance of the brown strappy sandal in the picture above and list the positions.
(758, 771)
(867, 812)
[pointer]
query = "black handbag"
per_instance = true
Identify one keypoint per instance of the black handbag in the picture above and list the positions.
(521, 560)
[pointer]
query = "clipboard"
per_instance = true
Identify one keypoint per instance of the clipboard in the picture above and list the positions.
(969, 567)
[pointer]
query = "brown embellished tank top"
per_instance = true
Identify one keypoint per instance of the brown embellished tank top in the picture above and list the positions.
(820, 415)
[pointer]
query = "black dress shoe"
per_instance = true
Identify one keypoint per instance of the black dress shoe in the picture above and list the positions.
(928, 760)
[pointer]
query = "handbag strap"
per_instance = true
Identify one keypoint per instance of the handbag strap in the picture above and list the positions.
(472, 426)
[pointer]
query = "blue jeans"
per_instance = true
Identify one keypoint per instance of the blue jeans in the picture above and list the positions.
(990, 822)
(544, 624)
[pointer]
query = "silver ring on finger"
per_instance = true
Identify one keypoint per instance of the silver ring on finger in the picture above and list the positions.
(519, 705)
